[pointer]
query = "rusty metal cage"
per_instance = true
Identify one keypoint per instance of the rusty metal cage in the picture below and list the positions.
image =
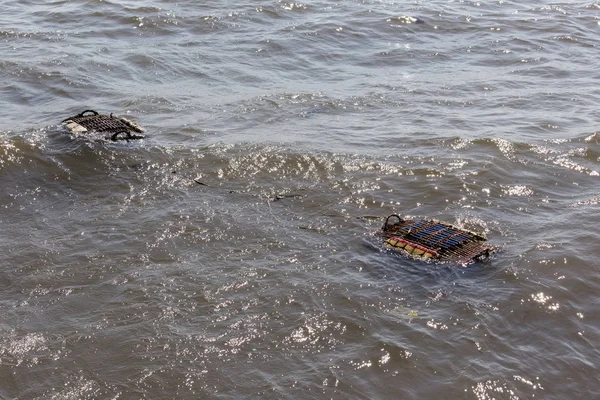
(113, 127)
(429, 239)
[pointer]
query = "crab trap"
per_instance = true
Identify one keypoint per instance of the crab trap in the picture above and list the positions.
(111, 127)
(429, 239)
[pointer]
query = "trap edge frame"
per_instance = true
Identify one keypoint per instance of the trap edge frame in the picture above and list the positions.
(114, 127)
(434, 240)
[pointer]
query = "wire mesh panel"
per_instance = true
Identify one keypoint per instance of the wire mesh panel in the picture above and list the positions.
(113, 127)
(430, 239)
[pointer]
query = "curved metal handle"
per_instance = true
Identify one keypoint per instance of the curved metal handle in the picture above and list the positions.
(387, 221)
(94, 112)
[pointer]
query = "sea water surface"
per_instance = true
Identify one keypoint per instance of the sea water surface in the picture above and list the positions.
(308, 123)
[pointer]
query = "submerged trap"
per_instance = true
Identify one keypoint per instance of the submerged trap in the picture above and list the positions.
(111, 126)
(435, 240)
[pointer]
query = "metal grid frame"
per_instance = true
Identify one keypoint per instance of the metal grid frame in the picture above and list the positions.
(428, 238)
(117, 128)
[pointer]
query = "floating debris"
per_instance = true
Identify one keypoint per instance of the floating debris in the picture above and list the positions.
(111, 126)
(405, 19)
(429, 239)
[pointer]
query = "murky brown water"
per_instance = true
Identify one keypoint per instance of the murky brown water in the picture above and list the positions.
(121, 277)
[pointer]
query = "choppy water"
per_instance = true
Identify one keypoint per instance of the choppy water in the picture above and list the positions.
(122, 278)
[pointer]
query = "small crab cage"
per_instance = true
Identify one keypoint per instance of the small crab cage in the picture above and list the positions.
(111, 126)
(435, 240)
